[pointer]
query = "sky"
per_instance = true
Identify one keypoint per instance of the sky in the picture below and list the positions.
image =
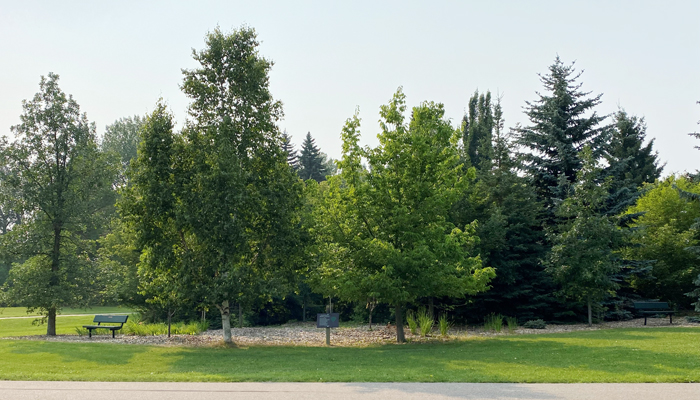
(118, 58)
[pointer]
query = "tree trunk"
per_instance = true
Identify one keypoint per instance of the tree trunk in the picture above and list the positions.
(226, 320)
(590, 314)
(370, 317)
(51, 323)
(170, 315)
(53, 280)
(400, 337)
(240, 315)
(303, 307)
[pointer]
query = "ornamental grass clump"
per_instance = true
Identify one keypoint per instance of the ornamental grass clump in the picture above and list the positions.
(177, 328)
(444, 324)
(411, 321)
(512, 324)
(493, 322)
(426, 322)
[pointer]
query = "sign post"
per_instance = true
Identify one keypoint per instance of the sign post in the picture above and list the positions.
(328, 320)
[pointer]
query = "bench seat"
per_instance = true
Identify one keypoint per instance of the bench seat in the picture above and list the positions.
(647, 308)
(109, 319)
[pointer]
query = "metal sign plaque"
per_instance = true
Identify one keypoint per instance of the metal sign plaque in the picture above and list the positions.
(327, 320)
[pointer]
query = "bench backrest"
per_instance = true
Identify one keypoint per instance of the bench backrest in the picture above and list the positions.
(651, 305)
(114, 319)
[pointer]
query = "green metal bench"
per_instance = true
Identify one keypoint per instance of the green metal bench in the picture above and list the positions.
(108, 319)
(648, 308)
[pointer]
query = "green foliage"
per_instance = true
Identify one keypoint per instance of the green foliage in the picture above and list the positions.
(512, 324)
(288, 148)
(535, 324)
(383, 232)
(444, 324)
(493, 322)
(64, 185)
(311, 161)
(583, 257)
(425, 321)
(563, 121)
(178, 328)
(122, 138)
(477, 128)
(664, 234)
(412, 322)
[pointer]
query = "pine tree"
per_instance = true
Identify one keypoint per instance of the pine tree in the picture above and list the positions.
(631, 163)
(288, 148)
(477, 129)
(311, 162)
(560, 128)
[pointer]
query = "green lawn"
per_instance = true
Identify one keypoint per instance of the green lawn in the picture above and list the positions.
(620, 355)
(27, 326)
(22, 311)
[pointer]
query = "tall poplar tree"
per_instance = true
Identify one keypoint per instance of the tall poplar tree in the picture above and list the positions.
(477, 129)
(61, 181)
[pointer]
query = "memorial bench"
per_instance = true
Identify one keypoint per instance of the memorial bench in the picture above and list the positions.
(648, 308)
(109, 319)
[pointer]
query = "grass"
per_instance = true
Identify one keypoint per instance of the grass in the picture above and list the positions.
(177, 328)
(26, 326)
(616, 355)
(22, 311)
(426, 322)
(493, 322)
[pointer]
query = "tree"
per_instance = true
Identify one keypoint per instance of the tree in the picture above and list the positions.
(477, 129)
(311, 161)
(583, 257)
(61, 181)
(123, 137)
(239, 198)
(511, 239)
(631, 162)
(383, 233)
(560, 129)
(665, 221)
(288, 147)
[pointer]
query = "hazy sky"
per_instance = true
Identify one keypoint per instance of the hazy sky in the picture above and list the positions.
(117, 58)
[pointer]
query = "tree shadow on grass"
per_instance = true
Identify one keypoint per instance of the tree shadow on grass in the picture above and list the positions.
(99, 353)
(588, 357)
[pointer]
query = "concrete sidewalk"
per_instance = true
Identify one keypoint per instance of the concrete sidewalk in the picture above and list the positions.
(16, 390)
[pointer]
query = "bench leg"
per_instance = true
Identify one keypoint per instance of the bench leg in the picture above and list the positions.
(670, 319)
(112, 333)
(645, 320)
(89, 333)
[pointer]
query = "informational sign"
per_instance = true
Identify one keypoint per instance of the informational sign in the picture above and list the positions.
(328, 320)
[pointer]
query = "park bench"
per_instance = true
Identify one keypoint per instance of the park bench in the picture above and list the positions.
(108, 319)
(648, 308)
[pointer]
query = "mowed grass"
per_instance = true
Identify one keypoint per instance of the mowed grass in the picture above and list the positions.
(22, 311)
(618, 355)
(28, 326)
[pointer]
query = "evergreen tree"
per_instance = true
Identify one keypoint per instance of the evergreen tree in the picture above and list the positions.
(583, 257)
(288, 148)
(631, 162)
(511, 238)
(477, 128)
(311, 161)
(559, 131)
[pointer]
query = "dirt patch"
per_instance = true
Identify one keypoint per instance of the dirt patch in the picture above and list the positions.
(306, 334)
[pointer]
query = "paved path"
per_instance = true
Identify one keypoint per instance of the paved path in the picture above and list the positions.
(344, 391)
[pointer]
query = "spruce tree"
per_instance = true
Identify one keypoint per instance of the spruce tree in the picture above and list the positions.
(288, 148)
(311, 162)
(563, 122)
(631, 163)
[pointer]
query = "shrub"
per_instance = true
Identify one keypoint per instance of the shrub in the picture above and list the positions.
(426, 322)
(512, 323)
(177, 328)
(411, 321)
(695, 320)
(444, 324)
(493, 322)
(535, 324)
